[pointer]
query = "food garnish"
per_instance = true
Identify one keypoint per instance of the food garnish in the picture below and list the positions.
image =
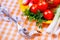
(41, 11)
(42, 6)
(48, 15)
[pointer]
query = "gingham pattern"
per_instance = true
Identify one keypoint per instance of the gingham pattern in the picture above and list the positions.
(8, 30)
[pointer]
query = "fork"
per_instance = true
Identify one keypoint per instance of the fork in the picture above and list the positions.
(23, 31)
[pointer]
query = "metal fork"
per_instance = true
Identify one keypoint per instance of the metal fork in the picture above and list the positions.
(23, 31)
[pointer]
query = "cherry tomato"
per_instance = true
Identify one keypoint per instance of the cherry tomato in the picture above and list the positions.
(42, 6)
(26, 2)
(56, 2)
(48, 15)
(53, 3)
(34, 8)
(35, 1)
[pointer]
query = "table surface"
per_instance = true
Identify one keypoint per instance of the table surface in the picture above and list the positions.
(8, 29)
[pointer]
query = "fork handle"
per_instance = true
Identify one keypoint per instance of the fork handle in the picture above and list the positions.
(5, 12)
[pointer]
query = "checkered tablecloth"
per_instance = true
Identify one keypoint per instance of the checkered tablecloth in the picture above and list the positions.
(8, 29)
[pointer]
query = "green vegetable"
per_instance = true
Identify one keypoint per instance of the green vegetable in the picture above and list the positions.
(31, 16)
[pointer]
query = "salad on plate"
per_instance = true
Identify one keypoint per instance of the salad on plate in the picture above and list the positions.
(43, 12)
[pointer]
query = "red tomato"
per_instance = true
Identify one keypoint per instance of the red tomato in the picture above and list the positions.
(26, 2)
(48, 15)
(53, 3)
(35, 1)
(56, 2)
(42, 6)
(34, 8)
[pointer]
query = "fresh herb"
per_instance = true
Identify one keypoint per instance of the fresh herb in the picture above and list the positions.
(31, 16)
